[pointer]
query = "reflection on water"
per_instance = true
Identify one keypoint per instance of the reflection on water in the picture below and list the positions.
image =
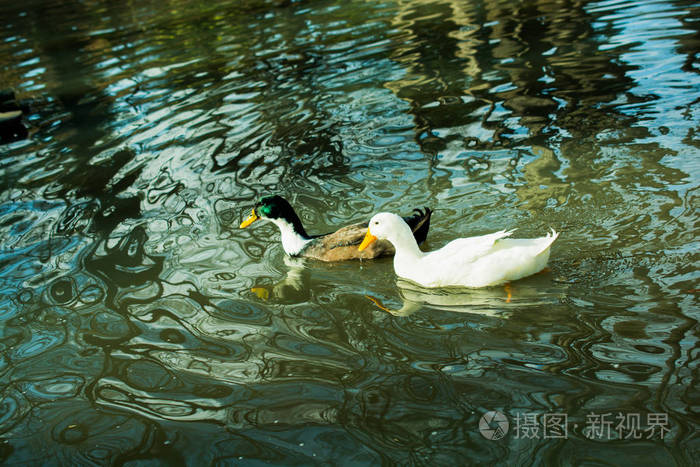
(491, 301)
(139, 324)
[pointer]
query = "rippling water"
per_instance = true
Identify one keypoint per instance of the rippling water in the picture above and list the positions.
(139, 324)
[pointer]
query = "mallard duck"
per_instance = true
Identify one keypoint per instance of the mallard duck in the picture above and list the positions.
(491, 259)
(336, 246)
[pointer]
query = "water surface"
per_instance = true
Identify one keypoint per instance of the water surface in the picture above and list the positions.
(140, 325)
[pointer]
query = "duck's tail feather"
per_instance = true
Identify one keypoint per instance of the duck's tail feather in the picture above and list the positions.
(419, 223)
(548, 239)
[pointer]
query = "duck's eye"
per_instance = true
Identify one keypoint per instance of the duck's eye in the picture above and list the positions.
(376, 222)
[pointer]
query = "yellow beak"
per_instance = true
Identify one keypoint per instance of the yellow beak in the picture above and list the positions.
(261, 292)
(367, 241)
(252, 218)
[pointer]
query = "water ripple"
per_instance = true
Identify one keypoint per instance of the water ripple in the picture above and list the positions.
(139, 323)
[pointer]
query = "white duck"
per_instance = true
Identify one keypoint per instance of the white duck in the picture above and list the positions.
(481, 261)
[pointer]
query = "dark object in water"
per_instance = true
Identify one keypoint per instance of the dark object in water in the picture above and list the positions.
(11, 126)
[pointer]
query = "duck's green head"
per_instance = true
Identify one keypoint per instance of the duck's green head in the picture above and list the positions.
(270, 207)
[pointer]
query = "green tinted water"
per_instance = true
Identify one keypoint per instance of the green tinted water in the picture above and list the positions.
(139, 324)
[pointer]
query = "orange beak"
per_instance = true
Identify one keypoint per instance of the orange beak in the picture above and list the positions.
(252, 218)
(367, 241)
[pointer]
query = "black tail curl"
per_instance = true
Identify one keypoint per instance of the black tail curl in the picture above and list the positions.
(419, 223)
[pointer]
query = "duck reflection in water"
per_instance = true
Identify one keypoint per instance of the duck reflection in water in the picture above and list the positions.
(294, 288)
(489, 301)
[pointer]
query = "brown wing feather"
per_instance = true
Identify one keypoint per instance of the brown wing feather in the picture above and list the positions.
(342, 245)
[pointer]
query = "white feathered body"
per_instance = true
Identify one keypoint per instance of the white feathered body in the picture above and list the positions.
(469, 262)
